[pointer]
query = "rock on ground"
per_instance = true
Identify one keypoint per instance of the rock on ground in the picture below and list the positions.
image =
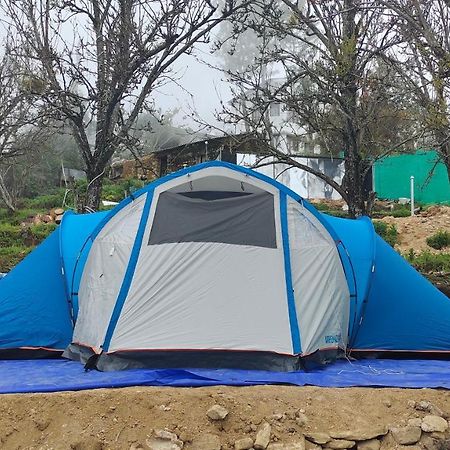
(434, 423)
(243, 444)
(217, 412)
(362, 434)
(263, 437)
(318, 438)
(340, 444)
(406, 435)
(371, 444)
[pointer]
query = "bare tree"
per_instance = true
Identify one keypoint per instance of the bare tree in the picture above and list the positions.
(321, 61)
(19, 123)
(101, 60)
(423, 61)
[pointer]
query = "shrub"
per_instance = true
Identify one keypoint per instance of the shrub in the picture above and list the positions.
(117, 191)
(42, 230)
(18, 236)
(10, 235)
(439, 240)
(387, 231)
(47, 201)
(426, 261)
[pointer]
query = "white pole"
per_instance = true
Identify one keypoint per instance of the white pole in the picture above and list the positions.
(412, 195)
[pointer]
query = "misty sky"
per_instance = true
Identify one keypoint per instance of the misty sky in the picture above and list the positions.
(198, 88)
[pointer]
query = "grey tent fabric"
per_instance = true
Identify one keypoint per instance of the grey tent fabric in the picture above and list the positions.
(241, 220)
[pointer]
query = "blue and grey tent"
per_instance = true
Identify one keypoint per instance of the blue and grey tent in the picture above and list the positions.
(217, 265)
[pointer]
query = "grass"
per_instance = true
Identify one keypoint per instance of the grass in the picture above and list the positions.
(327, 209)
(10, 256)
(427, 262)
(439, 240)
(45, 202)
(388, 232)
(17, 241)
(378, 213)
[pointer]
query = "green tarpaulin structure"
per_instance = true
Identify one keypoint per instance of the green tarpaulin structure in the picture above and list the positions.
(392, 177)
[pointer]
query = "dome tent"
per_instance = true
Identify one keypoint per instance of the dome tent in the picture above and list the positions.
(217, 265)
(208, 261)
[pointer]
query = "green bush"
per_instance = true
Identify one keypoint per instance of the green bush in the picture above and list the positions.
(117, 191)
(24, 236)
(42, 230)
(426, 261)
(439, 240)
(47, 201)
(10, 235)
(19, 216)
(388, 232)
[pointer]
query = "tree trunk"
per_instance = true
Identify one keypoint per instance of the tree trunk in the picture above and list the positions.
(6, 196)
(444, 153)
(353, 183)
(94, 191)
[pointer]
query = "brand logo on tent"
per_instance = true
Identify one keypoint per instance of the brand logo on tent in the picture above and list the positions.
(333, 339)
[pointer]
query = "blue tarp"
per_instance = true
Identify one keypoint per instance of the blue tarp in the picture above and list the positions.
(62, 375)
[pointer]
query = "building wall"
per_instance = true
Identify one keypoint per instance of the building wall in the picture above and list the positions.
(301, 182)
(148, 169)
(392, 177)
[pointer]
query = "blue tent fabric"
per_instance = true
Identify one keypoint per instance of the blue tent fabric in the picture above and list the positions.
(34, 301)
(34, 311)
(358, 237)
(74, 245)
(393, 308)
(61, 375)
(404, 311)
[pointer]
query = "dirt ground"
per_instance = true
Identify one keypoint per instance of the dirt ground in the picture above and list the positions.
(126, 418)
(413, 231)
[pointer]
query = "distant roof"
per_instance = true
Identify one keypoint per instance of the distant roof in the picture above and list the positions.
(238, 143)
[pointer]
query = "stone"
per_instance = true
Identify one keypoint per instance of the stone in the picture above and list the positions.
(299, 445)
(406, 435)
(312, 446)
(363, 434)
(161, 444)
(318, 438)
(164, 440)
(206, 441)
(263, 437)
(434, 423)
(340, 443)
(217, 412)
(278, 416)
(427, 406)
(416, 422)
(438, 435)
(301, 419)
(428, 443)
(243, 444)
(165, 435)
(371, 444)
